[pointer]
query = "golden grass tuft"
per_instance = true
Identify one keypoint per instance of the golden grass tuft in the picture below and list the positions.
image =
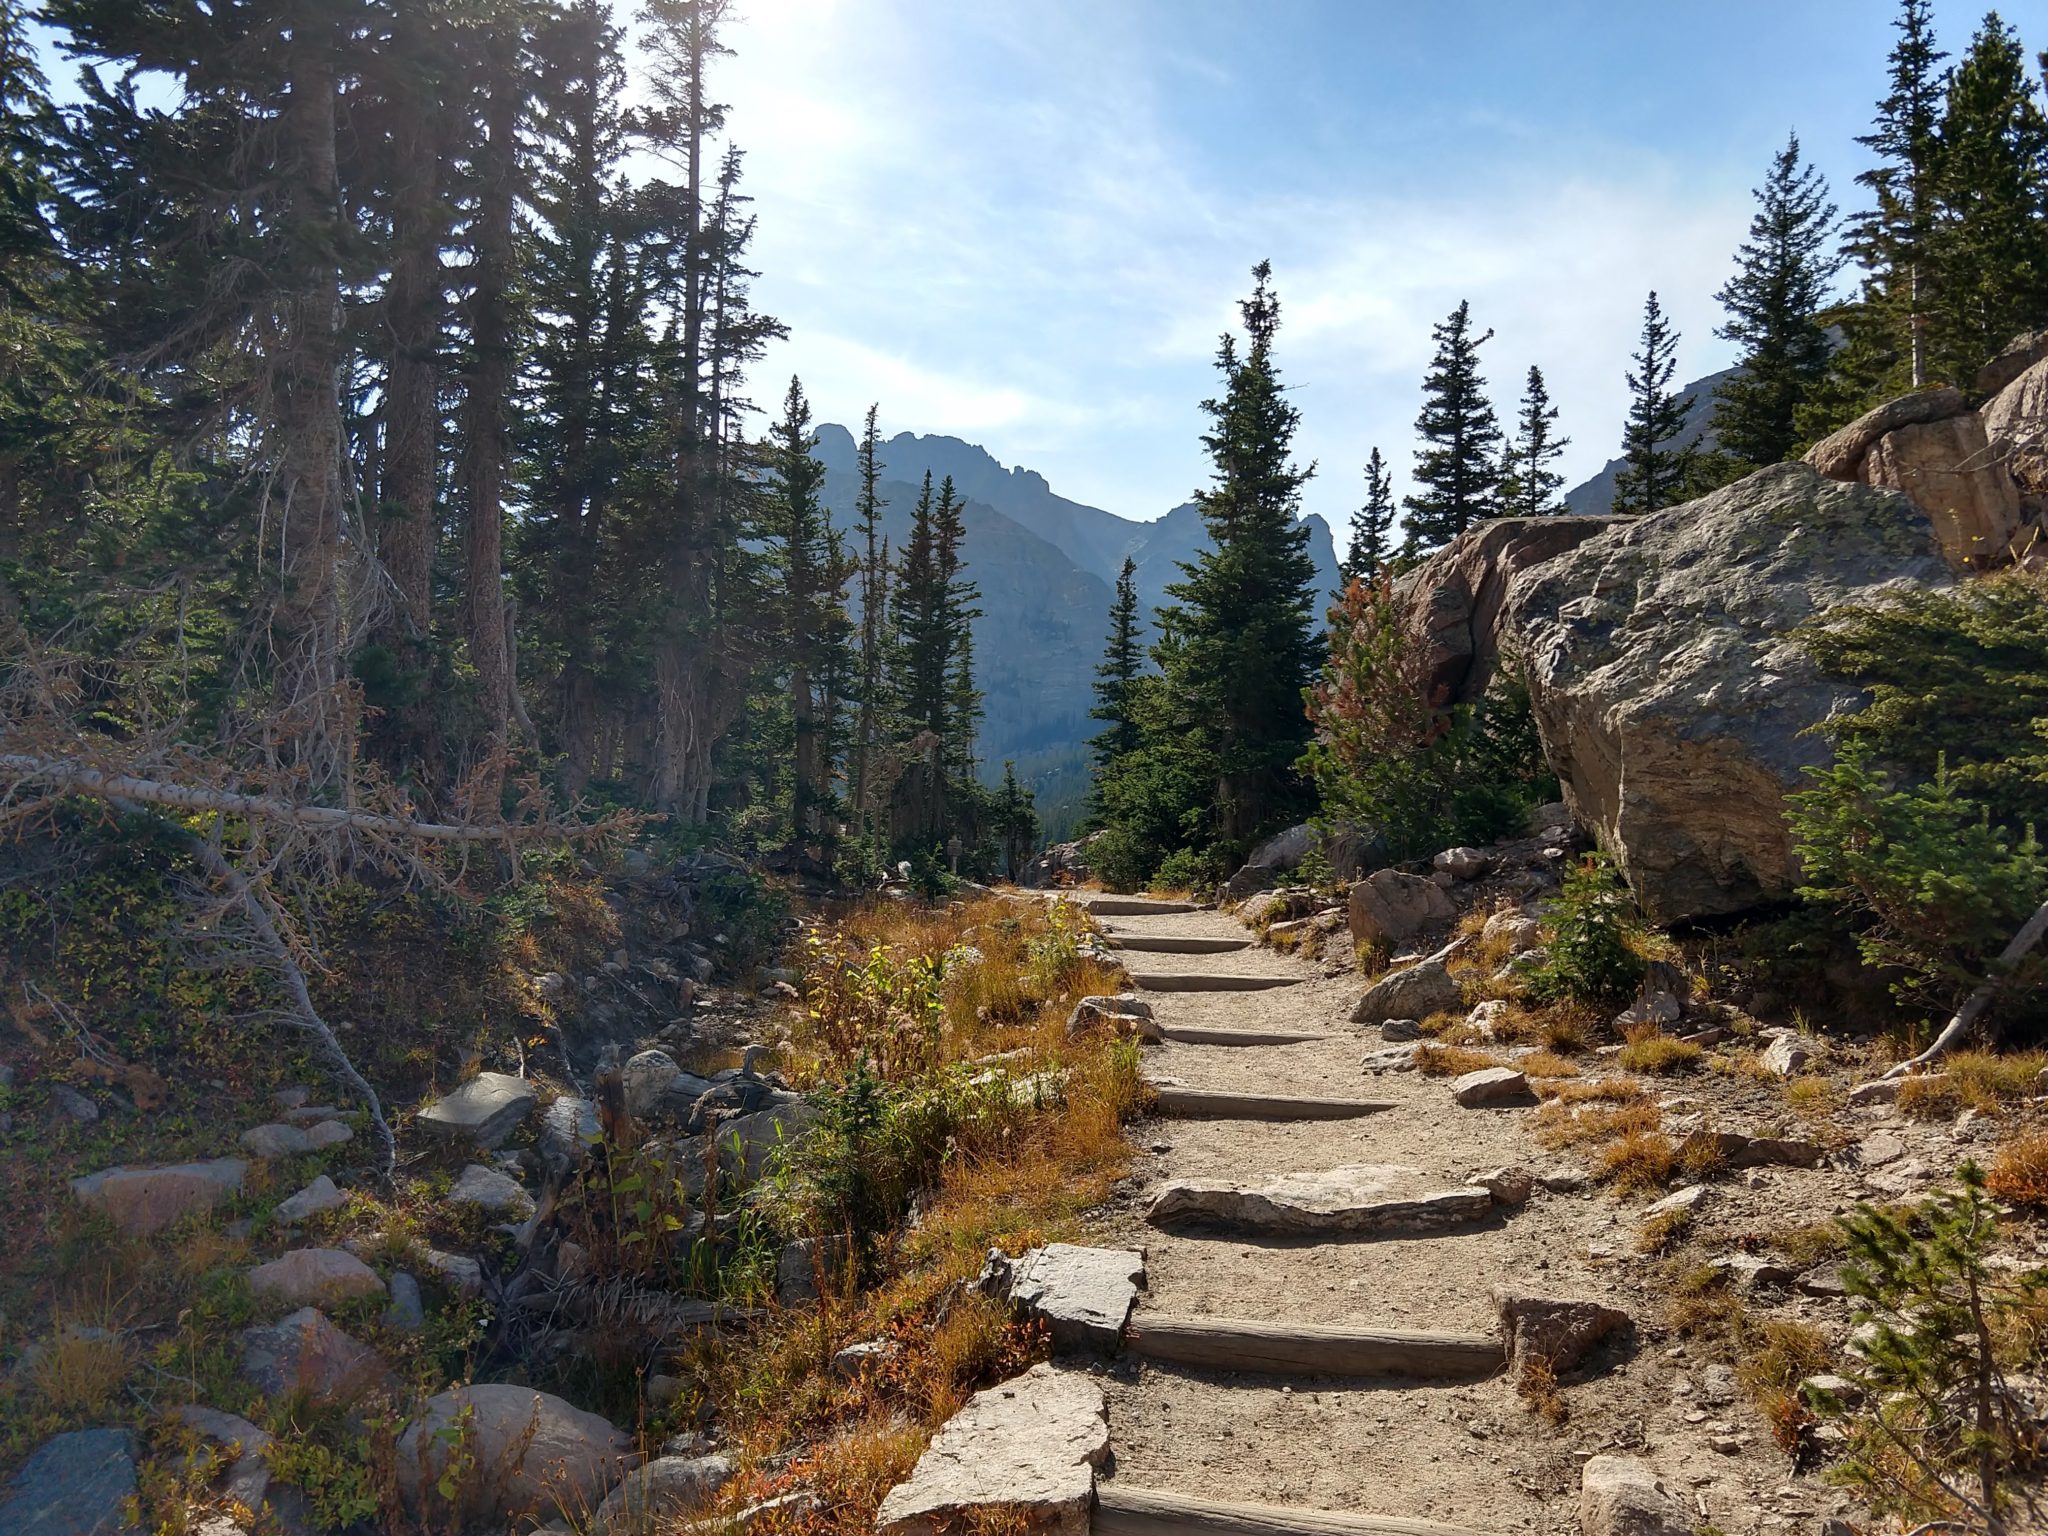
(1815, 1096)
(78, 1374)
(1638, 1163)
(2019, 1171)
(1664, 1231)
(1611, 1090)
(1659, 1054)
(1450, 1060)
(1547, 1065)
(1810, 1243)
(1537, 1386)
(1563, 1123)
(1776, 1357)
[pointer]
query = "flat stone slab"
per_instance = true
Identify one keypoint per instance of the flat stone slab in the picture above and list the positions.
(142, 1201)
(1360, 1200)
(307, 1276)
(492, 1191)
(1176, 944)
(72, 1485)
(1217, 1104)
(483, 1111)
(1084, 1296)
(280, 1140)
(1024, 1452)
(1490, 1087)
(317, 1197)
(1203, 981)
(1134, 906)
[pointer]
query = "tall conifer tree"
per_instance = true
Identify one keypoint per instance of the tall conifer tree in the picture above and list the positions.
(1529, 485)
(1116, 678)
(1239, 638)
(1774, 302)
(1372, 525)
(1457, 468)
(874, 603)
(1656, 463)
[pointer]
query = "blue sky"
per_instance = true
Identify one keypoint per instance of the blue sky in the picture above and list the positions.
(1026, 222)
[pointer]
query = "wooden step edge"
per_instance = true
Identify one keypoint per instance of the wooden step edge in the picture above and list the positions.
(1122, 1510)
(1189, 1034)
(1134, 906)
(1311, 1349)
(1209, 1104)
(1196, 981)
(1162, 944)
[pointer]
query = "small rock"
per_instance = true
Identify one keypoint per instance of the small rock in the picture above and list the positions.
(1519, 932)
(306, 1352)
(1748, 1272)
(278, 1140)
(1879, 1148)
(1828, 1386)
(1654, 1010)
(1733, 1150)
(664, 1490)
(483, 1112)
(800, 1264)
(1119, 1015)
(486, 1189)
(457, 1271)
(646, 1078)
(855, 1358)
(316, 1198)
(74, 1105)
(1395, 1031)
(1688, 1199)
(407, 1312)
(1084, 1296)
(1486, 1020)
(1786, 1056)
(75, 1484)
(248, 1479)
(1511, 1187)
(308, 1275)
(569, 1130)
(1622, 1496)
(1491, 1086)
(1883, 1090)
(1462, 863)
(1562, 1181)
(1552, 1330)
(1422, 989)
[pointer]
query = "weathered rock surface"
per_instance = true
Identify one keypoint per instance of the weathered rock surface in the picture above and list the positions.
(1490, 1087)
(1557, 1331)
(306, 1352)
(1422, 989)
(1623, 1496)
(1785, 1056)
(750, 1141)
(1356, 1200)
(1947, 467)
(1084, 1296)
(2016, 427)
(306, 1276)
(1025, 1452)
(483, 1112)
(280, 1140)
(1388, 908)
(2018, 355)
(489, 1190)
(663, 1491)
(1518, 931)
(75, 1484)
(1668, 697)
(1840, 455)
(646, 1077)
(1119, 1015)
(141, 1201)
(1453, 600)
(1732, 1149)
(528, 1450)
(318, 1197)
(246, 1445)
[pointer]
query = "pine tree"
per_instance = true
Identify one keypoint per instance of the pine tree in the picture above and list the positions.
(1116, 678)
(1989, 243)
(1239, 643)
(957, 597)
(1656, 464)
(874, 602)
(1458, 466)
(1372, 526)
(1529, 486)
(1774, 302)
(1016, 823)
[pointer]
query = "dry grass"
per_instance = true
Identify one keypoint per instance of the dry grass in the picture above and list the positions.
(1703, 1308)
(1564, 1123)
(1664, 1231)
(78, 1374)
(1813, 1096)
(2019, 1171)
(1537, 1386)
(1981, 1080)
(1659, 1054)
(1547, 1065)
(1638, 1163)
(1450, 1060)
(1811, 1243)
(1776, 1357)
(1610, 1090)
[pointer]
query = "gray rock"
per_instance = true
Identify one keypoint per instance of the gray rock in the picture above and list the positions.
(483, 1112)
(750, 1141)
(1623, 1496)
(1748, 1272)
(1785, 1056)
(142, 1201)
(1840, 455)
(316, 1198)
(1026, 1451)
(1557, 1331)
(1653, 1011)
(74, 1105)
(849, 1362)
(1521, 933)
(1510, 1187)
(1415, 993)
(527, 1451)
(1689, 1199)
(1389, 908)
(1733, 1150)
(279, 1140)
(1885, 1090)
(1394, 1031)
(309, 1275)
(486, 1189)
(1084, 1296)
(75, 1484)
(1354, 1200)
(569, 1130)
(1657, 656)
(407, 1312)
(457, 1271)
(1462, 863)
(306, 1352)
(667, 1488)
(246, 1445)
(1119, 1015)
(646, 1077)
(800, 1263)
(1491, 1087)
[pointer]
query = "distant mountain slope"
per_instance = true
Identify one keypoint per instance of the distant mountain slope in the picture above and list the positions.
(1045, 566)
(1597, 494)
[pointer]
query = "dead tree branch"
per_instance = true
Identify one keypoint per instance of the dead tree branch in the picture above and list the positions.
(1964, 1024)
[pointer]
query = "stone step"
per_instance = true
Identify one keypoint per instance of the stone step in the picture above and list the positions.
(1134, 906)
(1189, 1034)
(1309, 1349)
(1199, 981)
(1359, 1200)
(1176, 944)
(1215, 1104)
(1122, 1510)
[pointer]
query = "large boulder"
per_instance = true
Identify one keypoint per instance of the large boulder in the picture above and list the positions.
(1670, 698)
(1947, 467)
(1453, 600)
(511, 1451)
(1422, 989)
(2016, 427)
(1840, 455)
(1389, 908)
(482, 1112)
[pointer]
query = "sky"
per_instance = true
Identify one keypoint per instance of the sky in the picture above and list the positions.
(1026, 222)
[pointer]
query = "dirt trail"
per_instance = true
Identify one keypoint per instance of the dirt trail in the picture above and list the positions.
(1471, 1455)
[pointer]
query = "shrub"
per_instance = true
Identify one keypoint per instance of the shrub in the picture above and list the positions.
(1593, 940)
(2019, 1171)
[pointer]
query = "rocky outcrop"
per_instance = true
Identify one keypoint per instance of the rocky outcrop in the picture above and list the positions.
(1061, 864)
(2016, 428)
(1453, 601)
(1839, 456)
(1670, 699)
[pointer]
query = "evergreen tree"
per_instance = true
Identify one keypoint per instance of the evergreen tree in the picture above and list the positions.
(918, 643)
(1116, 679)
(1458, 466)
(1372, 526)
(1656, 464)
(1016, 823)
(1239, 640)
(1774, 302)
(1989, 244)
(1529, 485)
(874, 602)
(957, 597)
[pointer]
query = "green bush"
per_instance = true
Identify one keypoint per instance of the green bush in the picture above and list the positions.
(1592, 940)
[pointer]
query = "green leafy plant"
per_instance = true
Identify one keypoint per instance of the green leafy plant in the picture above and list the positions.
(1939, 1432)
(1592, 939)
